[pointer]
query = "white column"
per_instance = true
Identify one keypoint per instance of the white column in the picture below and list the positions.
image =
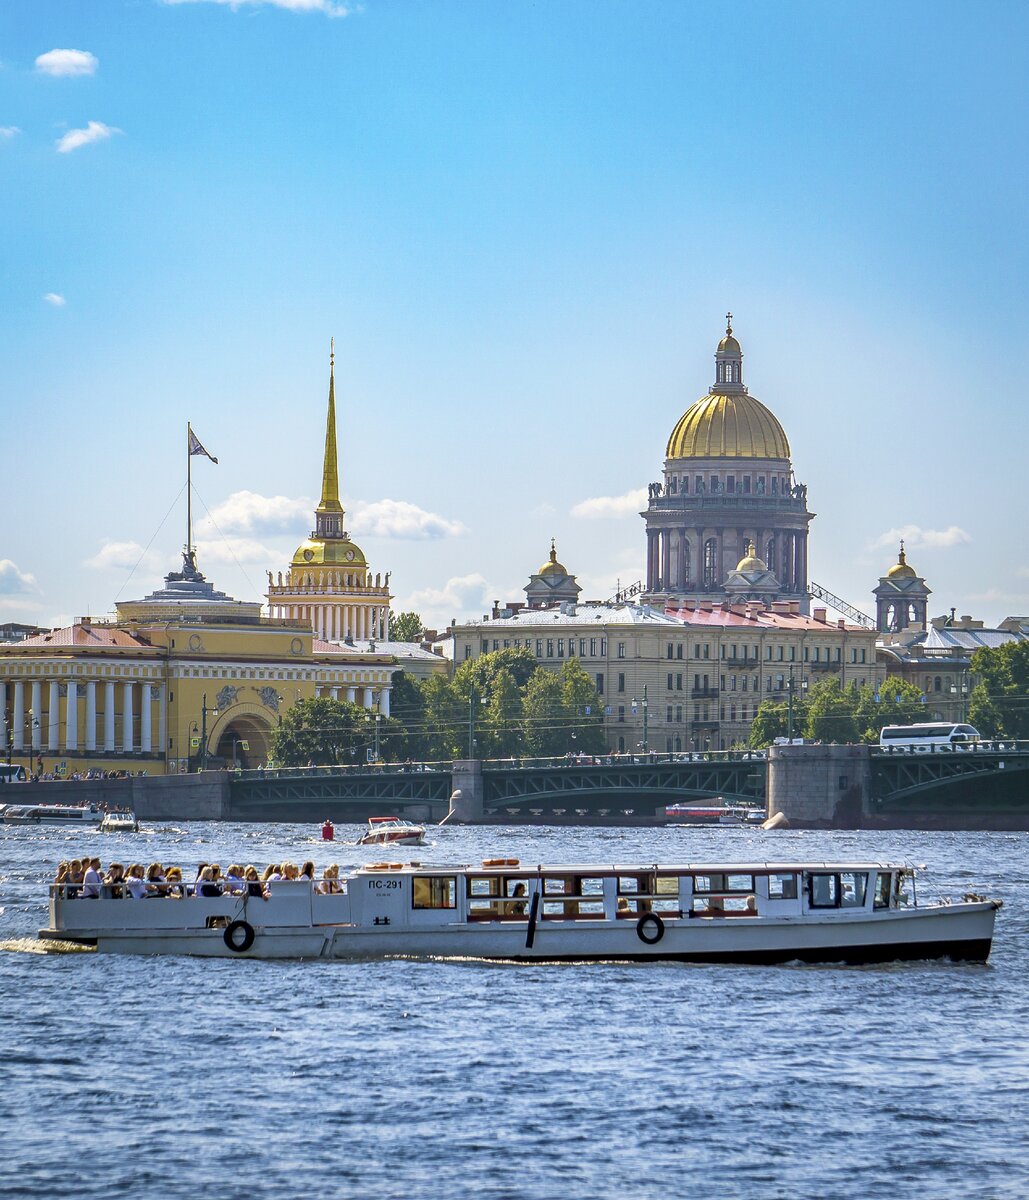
(352, 695)
(334, 693)
(369, 698)
(91, 715)
(71, 717)
(19, 716)
(37, 714)
(146, 719)
(109, 715)
(385, 623)
(3, 716)
(126, 716)
(53, 718)
(162, 721)
(384, 701)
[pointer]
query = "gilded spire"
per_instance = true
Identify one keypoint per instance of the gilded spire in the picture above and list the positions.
(330, 471)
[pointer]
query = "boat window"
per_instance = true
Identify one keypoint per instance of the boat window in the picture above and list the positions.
(633, 885)
(824, 891)
(708, 883)
(854, 886)
(782, 887)
(739, 883)
(705, 884)
(484, 885)
(882, 889)
(724, 905)
(435, 891)
(666, 885)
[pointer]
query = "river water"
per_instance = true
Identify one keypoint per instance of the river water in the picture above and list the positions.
(223, 1079)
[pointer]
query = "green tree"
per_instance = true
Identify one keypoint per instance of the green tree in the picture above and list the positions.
(770, 723)
(320, 731)
(446, 720)
(831, 712)
(477, 674)
(545, 733)
(897, 702)
(501, 725)
(1000, 700)
(584, 710)
(405, 627)
(407, 737)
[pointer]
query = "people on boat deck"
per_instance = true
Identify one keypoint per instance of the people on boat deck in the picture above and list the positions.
(330, 884)
(751, 907)
(271, 871)
(114, 880)
(254, 886)
(91, 880)
(82, 878)
(206, 885)
(234, 880)
(517, 907)
(135, 884)
(307, 871)
(156, 880)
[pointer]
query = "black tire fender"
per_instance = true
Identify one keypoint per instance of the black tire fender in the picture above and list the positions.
(238, 945)
(649, 929)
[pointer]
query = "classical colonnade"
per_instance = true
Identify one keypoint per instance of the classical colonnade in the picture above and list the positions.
(92, 720)
(676, 558)
(365, 696)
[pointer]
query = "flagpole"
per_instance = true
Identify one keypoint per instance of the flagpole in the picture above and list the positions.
(189, 495)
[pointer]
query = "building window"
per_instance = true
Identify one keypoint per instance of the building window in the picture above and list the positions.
(621, 649)
(779, 653)
(678, 713)
(485, 647)
(770, 546)
(679, 650)
(621, 717)
(593, 647)
(603, 647)
(746, 485)
(668, 650)
(710, 562)
(669, 681)
(732, 683)
(805, 653)
(550, 647)
(600, 683)
(730, 483)
(582, 647)
(678, 682)
(668, 717)
(621, 681)
(621, 745)
(696, 650)
(561, 647)
(539, 647)
(863, 659)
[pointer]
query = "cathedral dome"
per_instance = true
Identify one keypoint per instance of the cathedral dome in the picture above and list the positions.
(901, 569)
(751, 562)
(324, 552)
(728, 422)
(552, 566)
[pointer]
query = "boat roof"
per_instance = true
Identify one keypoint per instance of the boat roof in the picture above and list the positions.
(518, 868)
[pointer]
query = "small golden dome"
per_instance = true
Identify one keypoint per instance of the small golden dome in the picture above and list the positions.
(729, 345)
(552, 566)
(720, 426)
(900, 569)
(751, 562)
(334, 552)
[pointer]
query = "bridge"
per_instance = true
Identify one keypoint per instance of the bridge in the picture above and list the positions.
(617, 787)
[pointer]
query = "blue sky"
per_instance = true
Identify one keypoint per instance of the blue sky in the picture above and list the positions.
(523, 224)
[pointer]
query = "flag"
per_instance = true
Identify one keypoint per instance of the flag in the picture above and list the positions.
(195, 446)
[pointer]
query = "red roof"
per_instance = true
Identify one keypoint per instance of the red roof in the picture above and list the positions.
(764, 618)
(87, 635)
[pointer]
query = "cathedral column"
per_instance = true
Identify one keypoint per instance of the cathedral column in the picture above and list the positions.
(126, 717)
(71, 717)
(384, 701)
(37, 714)
(91, 715)
(18, 716)
(665, 559)
(53, 718)
(146, 719)
(651, 560)
(109, 715)
(673, 559)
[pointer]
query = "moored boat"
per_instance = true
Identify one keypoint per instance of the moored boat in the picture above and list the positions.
(392, 831)
(52, 814)
(718, 913)
(714, 814)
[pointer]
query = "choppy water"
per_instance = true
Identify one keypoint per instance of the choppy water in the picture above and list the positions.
(188, 1077)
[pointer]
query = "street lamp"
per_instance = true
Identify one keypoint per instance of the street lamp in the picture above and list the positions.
(646, 726)
(204, 710)
(378, 718)
(960, 692)
(791, 687)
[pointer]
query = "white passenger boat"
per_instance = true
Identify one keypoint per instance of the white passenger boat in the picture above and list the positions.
(714, 814)
(119, 821)
(753, 913)
(52, 814)
(392, 831)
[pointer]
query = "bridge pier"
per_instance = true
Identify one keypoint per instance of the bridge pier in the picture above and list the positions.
(466, 799)
(820, 787)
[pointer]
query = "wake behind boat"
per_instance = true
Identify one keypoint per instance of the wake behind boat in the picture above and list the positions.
(392, 831)
(719, 913)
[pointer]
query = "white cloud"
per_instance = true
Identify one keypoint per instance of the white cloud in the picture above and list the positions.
(95, 131)
(543, 510)
(67, 62)
(14, 582)
(123, 556)
(8, 131)
(611, 506)
(1000, 596)
(56, 299)
(461, 596)
(251, 513)
(331, 8)
(1022, 573)
(915, 537)
(400, 519)
(234, 550)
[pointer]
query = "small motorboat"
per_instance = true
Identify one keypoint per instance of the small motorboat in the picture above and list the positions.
(52, 814)
(119, 821)
(392, 831)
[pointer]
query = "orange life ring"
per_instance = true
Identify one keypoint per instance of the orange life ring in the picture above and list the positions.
(494, 862)
(378, 866)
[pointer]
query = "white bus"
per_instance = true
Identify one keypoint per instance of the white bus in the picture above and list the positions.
(928, 737)
(12, 774)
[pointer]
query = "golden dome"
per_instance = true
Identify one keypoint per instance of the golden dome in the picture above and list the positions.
(334, 552)
(729, 345)
(751, 562)
(728, 426)
(552, 566)
(900, 569)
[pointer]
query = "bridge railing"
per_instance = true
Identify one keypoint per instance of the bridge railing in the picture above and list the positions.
(1005, 746)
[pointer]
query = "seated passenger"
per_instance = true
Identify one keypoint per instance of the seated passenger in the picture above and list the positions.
(271, 872)
(516, 908)
(207, 887)
(155, 878)
(253, 884)
(114, 880)
(290, 873)
(751, 908)
(307, 871)
(330, 884)
(623, 909)
(135, 884)
(61, 879)
(173, 878)
(234, 880)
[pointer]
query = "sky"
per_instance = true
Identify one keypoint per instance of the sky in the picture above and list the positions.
(523, 224)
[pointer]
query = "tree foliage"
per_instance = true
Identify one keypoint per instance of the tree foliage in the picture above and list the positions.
(405, 627)
(831, 712)
(320, 731)
(897, 702)
(999, 704)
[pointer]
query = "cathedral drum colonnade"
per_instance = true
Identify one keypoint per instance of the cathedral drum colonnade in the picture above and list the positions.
(728, 494)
